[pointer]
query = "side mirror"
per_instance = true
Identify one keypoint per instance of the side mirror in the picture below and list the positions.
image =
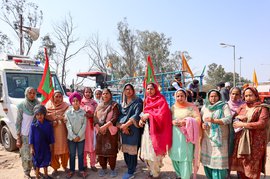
(1, 93)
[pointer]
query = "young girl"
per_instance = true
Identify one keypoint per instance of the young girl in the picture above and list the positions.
(75, 122)
(41, 139)
(89, 105)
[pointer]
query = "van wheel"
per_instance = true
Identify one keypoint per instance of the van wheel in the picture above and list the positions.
(7, 140)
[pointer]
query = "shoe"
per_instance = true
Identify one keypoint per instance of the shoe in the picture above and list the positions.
(113, 173)
(94, 169)
(83, 174)
(46, 177)
(101, 173)
(70, 174)
(127, 176)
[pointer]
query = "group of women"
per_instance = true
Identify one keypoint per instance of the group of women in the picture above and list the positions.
(224, 137)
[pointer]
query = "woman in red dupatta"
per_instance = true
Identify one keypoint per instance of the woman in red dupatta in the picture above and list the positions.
(249, 152)
(157, 135)
(56, 108)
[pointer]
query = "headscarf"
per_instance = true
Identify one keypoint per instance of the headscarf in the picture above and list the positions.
(185, 104)
(53, 108)
(217, 111)
(255, 92)
(124, 98)
(97, 100)
(27, 105)
(40, 109)
(103, 109)
(75, 94)
(160, 118)
(234, 105)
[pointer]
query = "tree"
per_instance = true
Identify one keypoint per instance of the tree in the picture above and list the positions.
(216, 74)
(128, 43)
(5, 43)
(47, 42)
(157, 46)
(31, 17)
(64, 33)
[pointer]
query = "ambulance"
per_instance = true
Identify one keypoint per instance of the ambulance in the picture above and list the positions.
(16, 74)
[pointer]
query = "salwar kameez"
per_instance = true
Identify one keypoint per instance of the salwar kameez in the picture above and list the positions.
(153, 161)
(182, 152)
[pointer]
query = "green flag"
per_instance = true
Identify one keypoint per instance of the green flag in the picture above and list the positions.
(149, 73)
(45, 87)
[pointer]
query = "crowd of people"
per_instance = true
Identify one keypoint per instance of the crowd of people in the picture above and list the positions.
(223, 136)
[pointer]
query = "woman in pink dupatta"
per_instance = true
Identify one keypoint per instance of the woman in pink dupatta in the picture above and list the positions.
(157, 135)
(89, 105)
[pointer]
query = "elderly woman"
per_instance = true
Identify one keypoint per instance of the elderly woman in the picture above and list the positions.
(250, 143)
(129, 126)
(157, 135)
(216, 117)
(89, 105)
(23, 123)
(186, 130)
(105, 118)
(56, 109)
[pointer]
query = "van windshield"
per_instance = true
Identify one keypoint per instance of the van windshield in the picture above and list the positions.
(18, 82)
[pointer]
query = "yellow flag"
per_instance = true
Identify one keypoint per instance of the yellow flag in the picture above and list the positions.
(255, 80)
(185, 66)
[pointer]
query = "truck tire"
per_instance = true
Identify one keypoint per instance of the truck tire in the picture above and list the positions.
(7, 140)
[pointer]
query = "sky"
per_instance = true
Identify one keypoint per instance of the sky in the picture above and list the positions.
(193, 25)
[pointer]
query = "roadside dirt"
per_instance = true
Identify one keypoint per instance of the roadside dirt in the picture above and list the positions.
(10, 168)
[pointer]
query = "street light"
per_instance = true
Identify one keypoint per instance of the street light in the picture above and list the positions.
(31, 31)
(240, 58)
(228, 45)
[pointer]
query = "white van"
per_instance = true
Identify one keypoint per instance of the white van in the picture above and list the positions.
(16, 74)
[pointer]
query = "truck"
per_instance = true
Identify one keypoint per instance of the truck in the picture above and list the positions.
(17, 72)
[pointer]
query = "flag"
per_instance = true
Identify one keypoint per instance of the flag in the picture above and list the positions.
(149, 73)
(45, 87)
(185, 66)
(255, 80)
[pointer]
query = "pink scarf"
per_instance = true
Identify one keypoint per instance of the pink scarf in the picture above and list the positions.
(191, 132)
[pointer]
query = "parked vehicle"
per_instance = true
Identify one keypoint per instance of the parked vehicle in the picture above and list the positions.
(16, 74)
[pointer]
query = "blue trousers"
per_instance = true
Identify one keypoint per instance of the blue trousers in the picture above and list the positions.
(73, 146)
(131, 161)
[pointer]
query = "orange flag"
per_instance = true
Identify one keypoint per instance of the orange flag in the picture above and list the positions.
(185, 66)
(255, 80)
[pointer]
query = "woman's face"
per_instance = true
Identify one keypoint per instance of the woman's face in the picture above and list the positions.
(31, 95)
(151, 90)
(98, 94)
(180, 97)
(88, 93)
(58, 98)
(213, 97)
(128, 91)
(76, 103)
(106, 96)
(249, 96)
(235, 95)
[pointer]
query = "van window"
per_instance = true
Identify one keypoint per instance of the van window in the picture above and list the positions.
(18, 82)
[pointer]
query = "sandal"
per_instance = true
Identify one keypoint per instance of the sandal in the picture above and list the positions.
(83, 174)
(70, 174)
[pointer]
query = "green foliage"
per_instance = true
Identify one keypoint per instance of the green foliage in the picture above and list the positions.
(216, 74)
